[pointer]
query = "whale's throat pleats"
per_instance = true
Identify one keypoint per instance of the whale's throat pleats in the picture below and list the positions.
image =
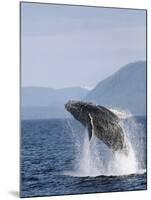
(90, 126)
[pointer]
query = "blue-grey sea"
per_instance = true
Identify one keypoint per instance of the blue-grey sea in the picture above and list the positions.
(54, 161)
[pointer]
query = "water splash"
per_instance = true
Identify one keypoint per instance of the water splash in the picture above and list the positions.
(89, 161)
(123, 164)
(122, 114)
(95, 159)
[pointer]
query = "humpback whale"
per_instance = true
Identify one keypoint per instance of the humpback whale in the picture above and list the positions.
(104, 123)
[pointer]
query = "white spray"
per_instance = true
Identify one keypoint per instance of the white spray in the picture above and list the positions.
(92, 161)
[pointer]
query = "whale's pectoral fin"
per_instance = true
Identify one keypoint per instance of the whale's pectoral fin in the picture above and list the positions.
(89, 130)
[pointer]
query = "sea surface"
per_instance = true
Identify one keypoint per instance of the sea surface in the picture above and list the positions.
(57, 159)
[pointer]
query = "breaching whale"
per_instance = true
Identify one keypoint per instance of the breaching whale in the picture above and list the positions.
(104, 123)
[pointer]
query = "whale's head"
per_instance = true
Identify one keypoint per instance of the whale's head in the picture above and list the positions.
(78, 110)
(74, 107)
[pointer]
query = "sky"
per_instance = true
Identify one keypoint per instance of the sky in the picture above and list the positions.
(66, 46)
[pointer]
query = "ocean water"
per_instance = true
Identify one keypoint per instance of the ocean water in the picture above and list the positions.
(58, 159)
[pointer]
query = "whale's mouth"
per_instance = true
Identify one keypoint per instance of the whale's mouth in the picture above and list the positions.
(73, 108)
(70, 105)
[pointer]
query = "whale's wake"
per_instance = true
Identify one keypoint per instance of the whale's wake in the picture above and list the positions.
(95, 159)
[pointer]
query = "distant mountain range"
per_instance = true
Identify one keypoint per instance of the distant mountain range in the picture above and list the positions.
(40, 102)
(125, 89)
